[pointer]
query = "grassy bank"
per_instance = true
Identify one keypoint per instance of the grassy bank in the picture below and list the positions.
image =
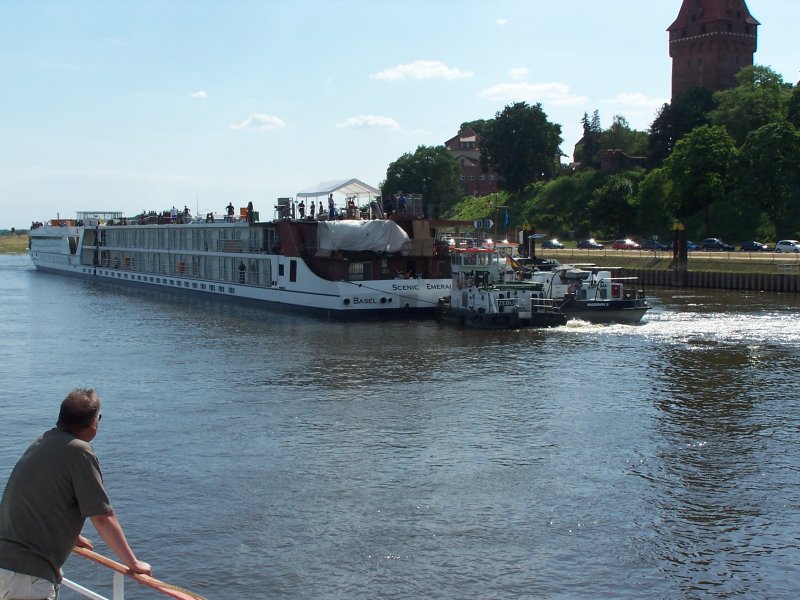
(717, 262)
(13, 244)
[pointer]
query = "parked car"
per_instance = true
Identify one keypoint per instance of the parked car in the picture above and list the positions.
(753, 246)
(690, 245)
(553, 244)
(590, 244)
(787, 246)
(716, 244)
(626, 244)
(654, 245)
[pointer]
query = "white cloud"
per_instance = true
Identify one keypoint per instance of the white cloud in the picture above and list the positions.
(502, 22)
(369, 121)
(554, 93)
(421, 69)
(637, 101)
(518, 73)
(639, 110)
(260, 121)
(200, 94)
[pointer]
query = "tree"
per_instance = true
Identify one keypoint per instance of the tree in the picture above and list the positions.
(611, 207)
(589, 145)
(793, 109)
(769, 175)
(430, 171)
(654, 213)
(477, 126)
(522, 145)
(687, 111)
(761, 97)
(620, 136)
(700, 168)
(551, 208)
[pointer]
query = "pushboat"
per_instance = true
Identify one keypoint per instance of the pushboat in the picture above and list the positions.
(593, 293)
(482, 297)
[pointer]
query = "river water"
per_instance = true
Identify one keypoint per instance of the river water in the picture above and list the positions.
(254, 454)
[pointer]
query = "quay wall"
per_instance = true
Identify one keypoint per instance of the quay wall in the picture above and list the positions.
(764, 282)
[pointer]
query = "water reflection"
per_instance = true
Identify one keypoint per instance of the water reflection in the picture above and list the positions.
(715, 448)
(392, 459)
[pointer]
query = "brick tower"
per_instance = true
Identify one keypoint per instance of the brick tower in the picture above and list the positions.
(709, 42)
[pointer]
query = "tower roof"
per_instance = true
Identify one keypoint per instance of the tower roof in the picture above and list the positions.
(712, 11)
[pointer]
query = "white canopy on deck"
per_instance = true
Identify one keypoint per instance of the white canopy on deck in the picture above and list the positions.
(348, 187)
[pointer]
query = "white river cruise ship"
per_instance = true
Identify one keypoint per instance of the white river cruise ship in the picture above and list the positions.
(357, 263)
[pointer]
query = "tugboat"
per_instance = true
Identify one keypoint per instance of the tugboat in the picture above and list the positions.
(482, 297)
(593, 294)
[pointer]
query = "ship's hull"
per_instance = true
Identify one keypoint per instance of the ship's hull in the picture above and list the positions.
(612, 311)
(506, 320)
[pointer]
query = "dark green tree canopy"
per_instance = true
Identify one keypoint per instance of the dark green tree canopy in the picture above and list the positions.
(522, 146)
(761, 97)
(700, 168)
(769, 175)
(620, 136)
(430, 171)
(477, 126)
(687, 111)
(793, 110)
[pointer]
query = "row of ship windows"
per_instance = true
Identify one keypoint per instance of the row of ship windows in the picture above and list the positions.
(165, 281)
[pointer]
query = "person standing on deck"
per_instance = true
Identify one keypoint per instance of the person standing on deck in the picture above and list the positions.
(54, 487)
(331, 207)
(402, 204)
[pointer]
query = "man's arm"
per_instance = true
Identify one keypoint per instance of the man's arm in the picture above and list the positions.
(111, 531)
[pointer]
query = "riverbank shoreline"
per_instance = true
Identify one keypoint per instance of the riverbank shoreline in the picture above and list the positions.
(744, 271)
(720, 270)
(13, 244)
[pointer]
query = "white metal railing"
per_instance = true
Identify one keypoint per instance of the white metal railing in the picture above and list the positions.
(120, 572)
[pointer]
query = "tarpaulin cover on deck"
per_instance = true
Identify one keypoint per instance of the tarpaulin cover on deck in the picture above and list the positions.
(377, 236)
(348, 187)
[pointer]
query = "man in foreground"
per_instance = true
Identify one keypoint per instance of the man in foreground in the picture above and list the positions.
(54, 487)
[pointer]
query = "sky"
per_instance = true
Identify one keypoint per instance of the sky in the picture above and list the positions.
(119, 105)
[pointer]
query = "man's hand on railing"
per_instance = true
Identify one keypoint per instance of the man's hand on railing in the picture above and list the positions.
(84, 542)
(141, 567)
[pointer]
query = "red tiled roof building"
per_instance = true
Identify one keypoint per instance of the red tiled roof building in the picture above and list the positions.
(466, 150)
(710, 42)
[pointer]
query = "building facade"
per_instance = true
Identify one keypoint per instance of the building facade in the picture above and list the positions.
(466, 150)
(710, 42)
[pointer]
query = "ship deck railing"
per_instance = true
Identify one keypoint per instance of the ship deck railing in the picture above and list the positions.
(120, 573)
